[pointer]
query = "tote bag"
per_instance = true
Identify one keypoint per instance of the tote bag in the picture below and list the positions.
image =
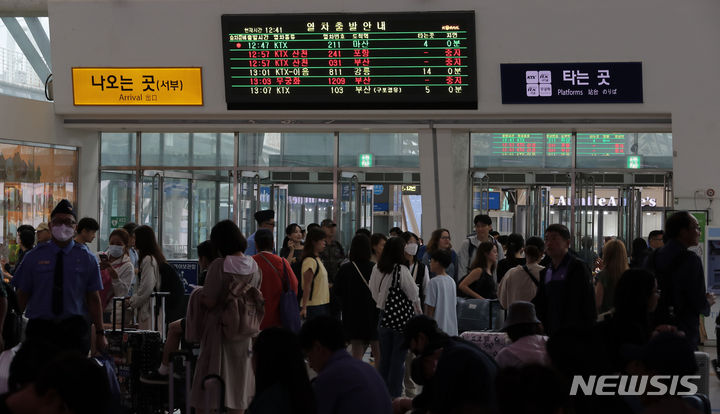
(398, 309)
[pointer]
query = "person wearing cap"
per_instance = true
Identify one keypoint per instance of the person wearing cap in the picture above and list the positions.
(334, 254)
(463, 379)
(525, 331)
(565, 296)
(42, 233)
(265, 220)
(58, 285)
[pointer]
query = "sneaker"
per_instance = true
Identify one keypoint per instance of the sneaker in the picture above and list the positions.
(154, 378)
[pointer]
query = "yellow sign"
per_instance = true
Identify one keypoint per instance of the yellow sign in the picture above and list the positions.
(137, 86)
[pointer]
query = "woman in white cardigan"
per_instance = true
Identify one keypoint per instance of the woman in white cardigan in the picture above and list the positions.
(148, 278)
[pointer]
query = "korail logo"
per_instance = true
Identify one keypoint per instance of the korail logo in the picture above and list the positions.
(634, 385)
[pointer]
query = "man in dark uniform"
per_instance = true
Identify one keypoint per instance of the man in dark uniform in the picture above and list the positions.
(57, 287)
(565, 296)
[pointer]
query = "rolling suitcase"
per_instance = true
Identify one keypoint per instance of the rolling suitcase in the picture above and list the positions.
(477, 314)
(134, 352)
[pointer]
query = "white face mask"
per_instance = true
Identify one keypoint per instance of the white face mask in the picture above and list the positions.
(411, 249)
(63, 233)
(115, 251)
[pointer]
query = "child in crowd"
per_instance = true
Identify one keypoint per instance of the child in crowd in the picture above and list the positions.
(440, 294)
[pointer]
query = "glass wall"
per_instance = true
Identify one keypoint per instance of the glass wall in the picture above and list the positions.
(33, 178)
(287, 149)
(17, 77)
(385, 149)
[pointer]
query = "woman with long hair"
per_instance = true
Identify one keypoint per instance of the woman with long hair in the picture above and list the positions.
(228, 357)
(615, 263)
(639, 252)
(292, 245)
(315, 287)
(440, 240)
(116, 269)
(390, 273)
(514, 256)
(359, 313)
(281, 380)
(148, 278)
(479, 283)
(377, 243)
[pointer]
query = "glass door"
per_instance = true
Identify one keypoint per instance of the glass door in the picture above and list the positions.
(629, 214)
(210, 203)
(584, 211)
(350, 212)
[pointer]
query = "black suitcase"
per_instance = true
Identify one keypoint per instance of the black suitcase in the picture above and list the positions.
(134, 353)
(477, 314)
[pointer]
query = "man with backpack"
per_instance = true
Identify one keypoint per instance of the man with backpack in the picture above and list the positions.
(680, 277)
(483, 227)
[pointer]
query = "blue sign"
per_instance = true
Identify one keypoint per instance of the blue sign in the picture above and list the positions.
(378, 189)
(189, 271)
(380, 207)
(488, 201)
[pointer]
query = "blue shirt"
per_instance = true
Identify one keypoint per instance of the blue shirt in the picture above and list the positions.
(251, 250)
(36, 274)
(349, 386)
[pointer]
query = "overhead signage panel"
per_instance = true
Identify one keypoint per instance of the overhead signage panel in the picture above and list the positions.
(418, 60)
(567, 83)
(137, 86)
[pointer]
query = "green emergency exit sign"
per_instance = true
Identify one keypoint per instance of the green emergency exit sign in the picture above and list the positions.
(634, 162)
(365, 160)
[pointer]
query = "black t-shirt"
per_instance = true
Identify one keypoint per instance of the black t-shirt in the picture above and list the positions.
(485, 286)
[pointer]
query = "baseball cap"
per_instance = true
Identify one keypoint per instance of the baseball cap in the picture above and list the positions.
(42, 226)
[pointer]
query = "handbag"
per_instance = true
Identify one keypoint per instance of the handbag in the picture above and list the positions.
(398, 309)
(289, 309)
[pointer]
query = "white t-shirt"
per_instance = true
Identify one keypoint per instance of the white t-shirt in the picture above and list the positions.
(440, 293)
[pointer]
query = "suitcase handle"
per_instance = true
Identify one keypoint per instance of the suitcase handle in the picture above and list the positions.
(117, 299)
(186, 357)
(218, 378)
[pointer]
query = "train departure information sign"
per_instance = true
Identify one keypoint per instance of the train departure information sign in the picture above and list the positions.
(350, 61)
(602, 145)
(531, 144)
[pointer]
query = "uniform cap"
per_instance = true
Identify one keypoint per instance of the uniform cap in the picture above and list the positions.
(63, 207)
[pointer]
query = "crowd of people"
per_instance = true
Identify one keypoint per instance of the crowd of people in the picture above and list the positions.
(567, 313)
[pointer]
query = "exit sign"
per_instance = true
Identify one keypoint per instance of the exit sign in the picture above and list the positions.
(365, 160)
(634, 161)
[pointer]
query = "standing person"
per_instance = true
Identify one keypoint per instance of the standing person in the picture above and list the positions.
(515, 255)
(586, 253)
(132, 251)
(656, 239)
(117, 270)
(480, 283)
(440, 240)
(418, 270)
(520, 283)
(680, 276)
(219, 355)
(483, 227)
(615, 263)
(42, 233)
(265, 220)
(391, 271)
(292, 245)
(441, 300)
(87, 227)
(148, 278)
(334, 254)
(274, 270)
(395, 232)
(359, 313)
(26, 241)
(565, 296)
(58, 287)
(316, 291)
(282, 385)
(639, 252)
(206, 255)
(377, 243)
(344, 385)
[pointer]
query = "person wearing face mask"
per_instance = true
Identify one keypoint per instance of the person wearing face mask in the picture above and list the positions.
(58, 286)
(116, 269)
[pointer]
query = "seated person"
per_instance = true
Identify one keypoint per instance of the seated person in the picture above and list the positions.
(525, 332)
(344, 385)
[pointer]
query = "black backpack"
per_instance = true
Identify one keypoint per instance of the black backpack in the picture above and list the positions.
(170, 281)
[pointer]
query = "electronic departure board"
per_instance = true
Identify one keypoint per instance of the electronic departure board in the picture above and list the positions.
(602, 145)
(423, 60)
(531, 144)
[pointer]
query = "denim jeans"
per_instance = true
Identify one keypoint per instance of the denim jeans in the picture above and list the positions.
(317, 310)
(392, 359)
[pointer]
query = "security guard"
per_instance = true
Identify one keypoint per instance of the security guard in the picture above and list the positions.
(58, 286)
